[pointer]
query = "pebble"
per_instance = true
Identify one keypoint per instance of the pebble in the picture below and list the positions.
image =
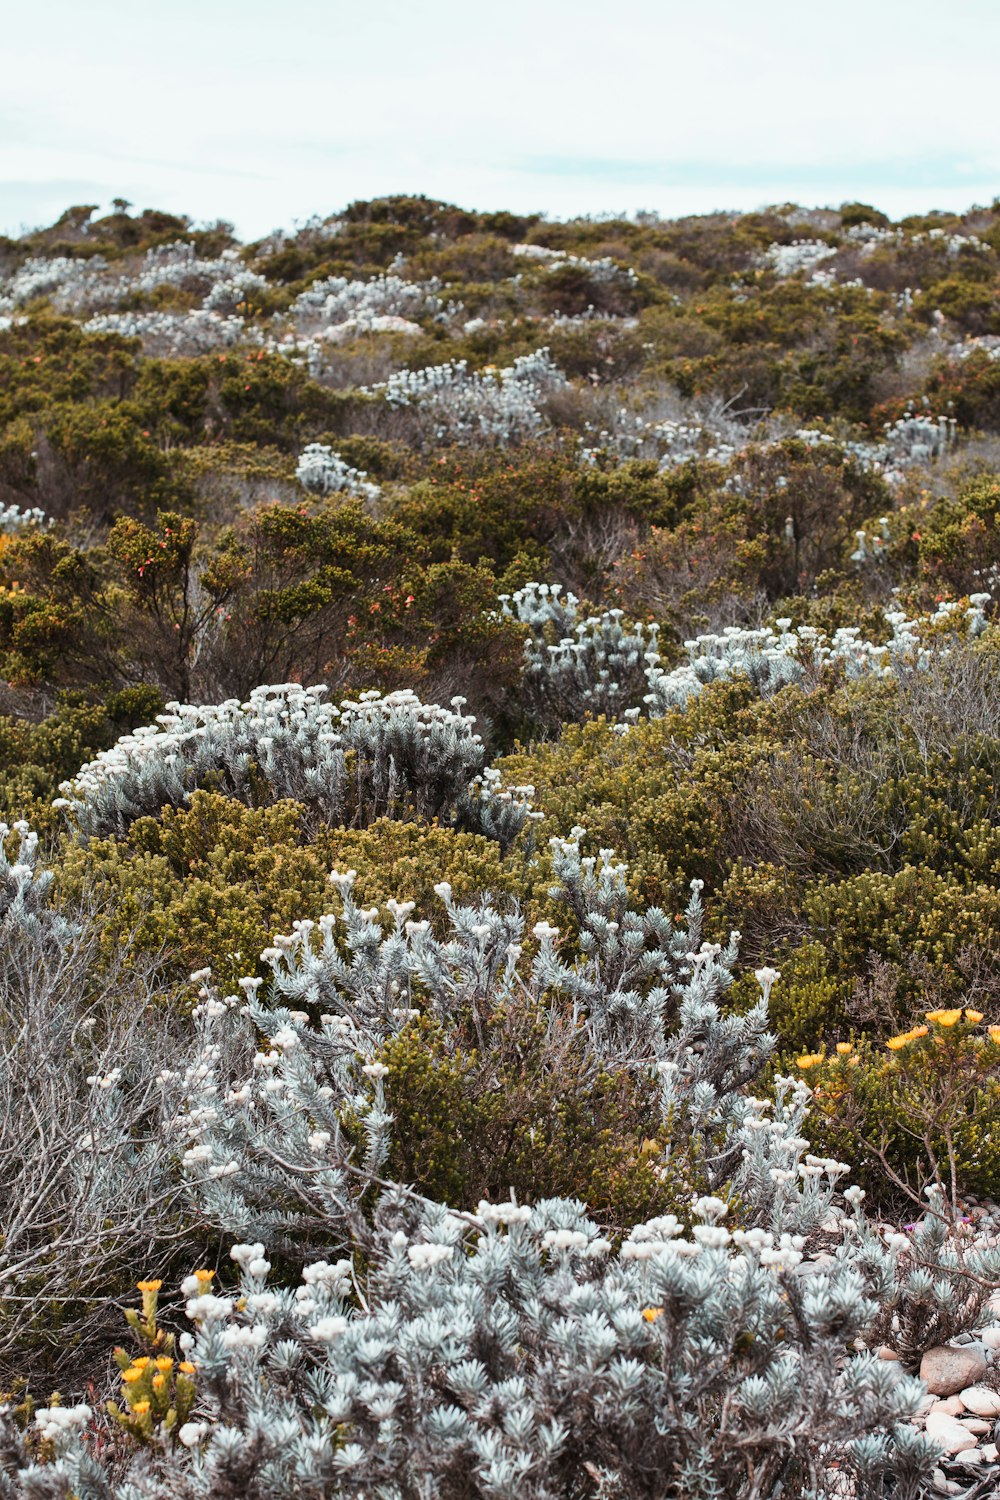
(949, 1432)
(978, 1426)
(990, 1452)
(991, 1338)
(981, 1400)
(884, 1352)
(948, 1370)
(954, 1406)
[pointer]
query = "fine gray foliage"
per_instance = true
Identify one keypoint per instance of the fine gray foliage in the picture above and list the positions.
(86, 1183)
(389, 756)
(576, 665)
(510, 1355)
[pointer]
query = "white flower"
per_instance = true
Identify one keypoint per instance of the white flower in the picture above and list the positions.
(191, 1433)
(375, 1070)
(319, 1140)
(245, 1338)
(422, 1256)
(765, 978)
(58, 1421)
(328, 1329)
(244, 1254)
(209, 1307)
(711, 1236)
(285, 1039)
(564, 1239)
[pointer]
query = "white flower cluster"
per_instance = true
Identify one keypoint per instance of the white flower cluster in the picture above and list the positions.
(671, 442)
(914, 440)
(171, 334)
(510, 1353)
(323, 472)
(576, 665)
(797, 257)
(772, 657)
(411, 760)
(235, 291)
(387, 303)
(14, 520)
(488, 406)
(41, 277)
(604, 270)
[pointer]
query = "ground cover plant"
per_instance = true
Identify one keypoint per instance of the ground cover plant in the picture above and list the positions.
(500, 870)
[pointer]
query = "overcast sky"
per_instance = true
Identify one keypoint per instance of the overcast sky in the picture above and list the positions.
(266, 114)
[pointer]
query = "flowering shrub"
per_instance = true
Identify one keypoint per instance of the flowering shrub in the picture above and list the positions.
(368, 758)
(918, 1106)
(323, 472)
(504, 1350)
(577, 666)
(454, 404)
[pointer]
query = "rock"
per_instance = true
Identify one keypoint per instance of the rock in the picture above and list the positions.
(981, 1400)
(991, 1338)
(948, 1370)
(990, 1452)
(949, 1432)
(884, 1352)
(954, 1406)
(978, 1425)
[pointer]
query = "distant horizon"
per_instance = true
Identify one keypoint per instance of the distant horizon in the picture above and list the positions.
(225, 109)
(201, 222)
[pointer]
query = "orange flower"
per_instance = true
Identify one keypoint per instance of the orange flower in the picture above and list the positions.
(186, 1366)
(149, 1286)
(132, 1375)
(809, 1059)
(163, 1363)
(896, 1042)
(943, 1017)
(973, 1016)
(652, 1313)
(140, 1408)
(844, 1048)
(995, 1035)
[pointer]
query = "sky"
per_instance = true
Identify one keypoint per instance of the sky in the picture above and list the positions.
(266, 115)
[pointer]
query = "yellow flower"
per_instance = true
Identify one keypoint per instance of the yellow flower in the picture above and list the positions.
(140, 1408)
(159, 1382)
(163, 1363)
(809, 1059)
(973, 1016)
(132, 1375)
(187, 1367)
(918, 1031)
(995, 1035)
(895, 1042)
(652, 1313)
(844, 1048)
(141, 1362)
(149, 1286)
(943, 1017)
(207, 1276)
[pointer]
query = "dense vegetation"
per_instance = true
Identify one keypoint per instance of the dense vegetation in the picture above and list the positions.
(610, 606)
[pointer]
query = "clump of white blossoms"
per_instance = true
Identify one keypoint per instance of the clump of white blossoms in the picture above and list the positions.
(576, 665)
(321, 471)
(410, 760)
(455, 404)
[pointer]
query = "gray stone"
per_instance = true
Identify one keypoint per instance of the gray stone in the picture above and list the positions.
(948, 1370)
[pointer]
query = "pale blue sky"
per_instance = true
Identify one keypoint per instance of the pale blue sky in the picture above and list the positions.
(265, 114)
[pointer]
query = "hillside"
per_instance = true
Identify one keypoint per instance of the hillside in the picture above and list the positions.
(500, 881)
